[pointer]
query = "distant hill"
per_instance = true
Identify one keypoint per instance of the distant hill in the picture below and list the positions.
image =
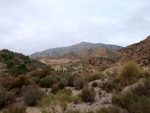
(86, 54)
(14, 64)
(74, 48)
(138, 52)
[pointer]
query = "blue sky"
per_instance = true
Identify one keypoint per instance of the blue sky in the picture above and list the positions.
(29, 26)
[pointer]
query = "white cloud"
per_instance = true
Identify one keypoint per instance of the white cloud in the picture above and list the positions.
(34, 25)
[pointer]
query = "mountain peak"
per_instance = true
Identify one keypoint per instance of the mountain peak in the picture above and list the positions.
(84, 42)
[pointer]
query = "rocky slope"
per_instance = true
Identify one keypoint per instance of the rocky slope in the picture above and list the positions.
(139, 53)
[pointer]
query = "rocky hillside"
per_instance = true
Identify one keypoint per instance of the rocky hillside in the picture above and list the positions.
(74, 48)
(86, 54)
(15, 64)
(138, 52)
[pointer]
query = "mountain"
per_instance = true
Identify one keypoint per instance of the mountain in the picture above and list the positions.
(74, 48)
(86, 54)
(14, 64)
(138, 52)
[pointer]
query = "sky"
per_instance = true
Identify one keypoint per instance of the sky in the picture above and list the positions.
(28, 26)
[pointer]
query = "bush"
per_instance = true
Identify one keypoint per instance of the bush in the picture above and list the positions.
(32, 96)
(110, 85)
(55, 88)
(125, 99)
(130, 73)
(35, 80)
(94, 84)
(88, 95)
(16, 109)
(110, 109)
(48, 81)
(70, 78)
(80, 83)
(61, 97)
(142, 106)
(143, 89)
(19, 81)
(96, 76)
(63, 83)
(132, 102)
(6, 98)
(41, 73)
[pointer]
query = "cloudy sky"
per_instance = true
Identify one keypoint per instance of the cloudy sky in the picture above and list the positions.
(29, 26)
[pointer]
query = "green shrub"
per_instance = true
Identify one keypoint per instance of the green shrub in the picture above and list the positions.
(125, 99)
(16, 109)
(10, 64)
(129, 74)
(94, 84)
(48, 81)
(63, 83)
(142, 106)
(110, 109)
(35, 80)
(60, 97)
(6, 98)
(132, 102)
(80, 83)
(88, 95)
(32, 96)
(70, 78)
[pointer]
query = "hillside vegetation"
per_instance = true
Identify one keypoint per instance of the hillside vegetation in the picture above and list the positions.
(120, 83)
(15, 64)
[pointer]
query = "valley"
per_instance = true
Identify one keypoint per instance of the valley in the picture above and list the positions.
(90, 80)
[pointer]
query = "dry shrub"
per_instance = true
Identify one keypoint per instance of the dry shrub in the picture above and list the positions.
(18, 82)
(96, 76)
(129, 74)
(55, 88)
(143, 89)
(80, 83)
(16, 109)
(88, 95)
(41, 73)
(111, 85)
(32, 96)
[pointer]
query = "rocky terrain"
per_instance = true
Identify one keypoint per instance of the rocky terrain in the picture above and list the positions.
(100, 81)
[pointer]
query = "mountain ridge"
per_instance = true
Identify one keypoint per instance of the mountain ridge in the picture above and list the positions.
(74, 48)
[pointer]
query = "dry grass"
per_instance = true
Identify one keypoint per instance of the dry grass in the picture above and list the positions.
(129, 74)
(88, 95)
(16, 109)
